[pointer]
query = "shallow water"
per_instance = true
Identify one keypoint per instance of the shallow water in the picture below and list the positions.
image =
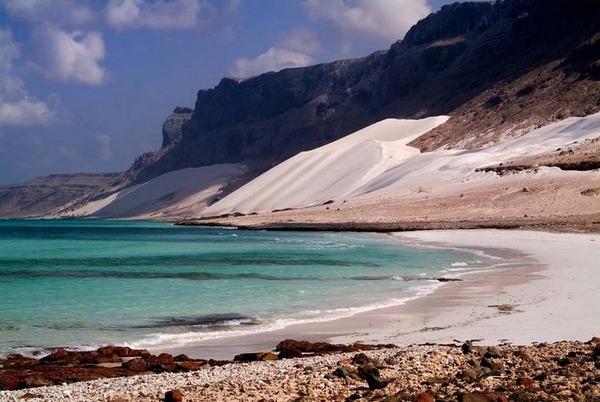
(83, 283)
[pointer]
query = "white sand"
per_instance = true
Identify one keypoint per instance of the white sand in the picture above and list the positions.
(559, 302)
(376, 163)
(330, 172)
(176, 194)
(553, 286)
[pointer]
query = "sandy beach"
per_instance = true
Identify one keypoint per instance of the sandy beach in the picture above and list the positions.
(545, 279)
(545, 292)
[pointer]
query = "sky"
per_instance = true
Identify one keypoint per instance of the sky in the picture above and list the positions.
(85, 85)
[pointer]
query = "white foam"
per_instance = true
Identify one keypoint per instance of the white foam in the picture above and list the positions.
(171, 340)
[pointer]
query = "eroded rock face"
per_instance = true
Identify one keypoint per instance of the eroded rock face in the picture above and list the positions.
(171, 130)
(445, 62)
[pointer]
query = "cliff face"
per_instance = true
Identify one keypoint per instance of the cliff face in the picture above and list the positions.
(39, 196)
(445, 63)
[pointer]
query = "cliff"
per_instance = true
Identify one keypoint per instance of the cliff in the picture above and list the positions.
(472, 61)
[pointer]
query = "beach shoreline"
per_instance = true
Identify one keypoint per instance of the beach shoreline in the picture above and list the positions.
(376, 325)
(546, 296)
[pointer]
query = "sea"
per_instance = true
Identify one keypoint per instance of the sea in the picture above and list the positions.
(86, 283)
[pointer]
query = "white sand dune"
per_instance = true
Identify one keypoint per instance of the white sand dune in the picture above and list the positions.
(376, 162)
(330, 172)
(176, 194)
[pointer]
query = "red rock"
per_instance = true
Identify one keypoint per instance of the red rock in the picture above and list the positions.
(137, 364)
(17, 361)
(164, 358)
(61, 356)
(254, 357)
(525, 382)
(163, 367)
(289, 354)
(35, 380)
(189, 365)
(174, 395)
(424, 397)
(9, 381)
(181, 358)
(217, 363)
(482, 397)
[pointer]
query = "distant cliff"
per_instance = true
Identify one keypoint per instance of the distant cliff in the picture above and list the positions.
(465, 60)
(44, 194)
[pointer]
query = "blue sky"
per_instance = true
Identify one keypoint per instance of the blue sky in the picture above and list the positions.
(86, 85)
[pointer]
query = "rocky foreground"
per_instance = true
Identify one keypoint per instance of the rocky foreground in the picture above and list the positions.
(543, 372)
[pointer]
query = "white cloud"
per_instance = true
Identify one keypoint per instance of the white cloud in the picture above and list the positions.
(104, 147)
(157, 14)
(296, 49)
(302, 40)
(17, 107)
(389, 19)
(70, 56)
(58, 12)
(274, 59)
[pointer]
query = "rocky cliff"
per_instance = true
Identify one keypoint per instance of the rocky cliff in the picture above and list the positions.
(499, 68)
(42, 195)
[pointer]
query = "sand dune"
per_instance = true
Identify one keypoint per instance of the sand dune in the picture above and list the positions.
(330, 172)
(175, 194)
(376, 163)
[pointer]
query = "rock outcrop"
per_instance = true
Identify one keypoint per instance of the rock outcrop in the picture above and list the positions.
(468, 60)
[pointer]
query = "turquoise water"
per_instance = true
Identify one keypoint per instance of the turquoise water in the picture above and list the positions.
(83, 283)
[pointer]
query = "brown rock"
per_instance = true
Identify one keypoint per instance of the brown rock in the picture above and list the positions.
(17, 361)
(137, 364)
(61, 356)
(181, 358)
(482, 397)
(525, 382)
(35, 380)
(375, 382)
(9, 381)
(289, 354)
(254, 357)
(174, 395)
(189, 365)
(217, 363)
(164, 358)
(361, 358)
(424, 397)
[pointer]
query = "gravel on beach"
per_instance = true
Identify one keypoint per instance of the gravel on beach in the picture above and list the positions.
(542, 372)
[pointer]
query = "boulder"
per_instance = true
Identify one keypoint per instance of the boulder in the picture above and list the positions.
(424, 397)
(255, 357)
(189, 365)
(361, 358)
(9, 381)
(137, 364)
(525, 382)
(482, 397)
(175, 395)
(61, 356)
(289, 354)
(375, 381)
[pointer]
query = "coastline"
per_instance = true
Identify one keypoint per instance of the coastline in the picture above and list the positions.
(400, 324)
(521, 310)
(550, 295)
(523, 304)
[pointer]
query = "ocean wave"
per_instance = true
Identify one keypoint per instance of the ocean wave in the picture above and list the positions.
(168, 340)
(225, 320)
